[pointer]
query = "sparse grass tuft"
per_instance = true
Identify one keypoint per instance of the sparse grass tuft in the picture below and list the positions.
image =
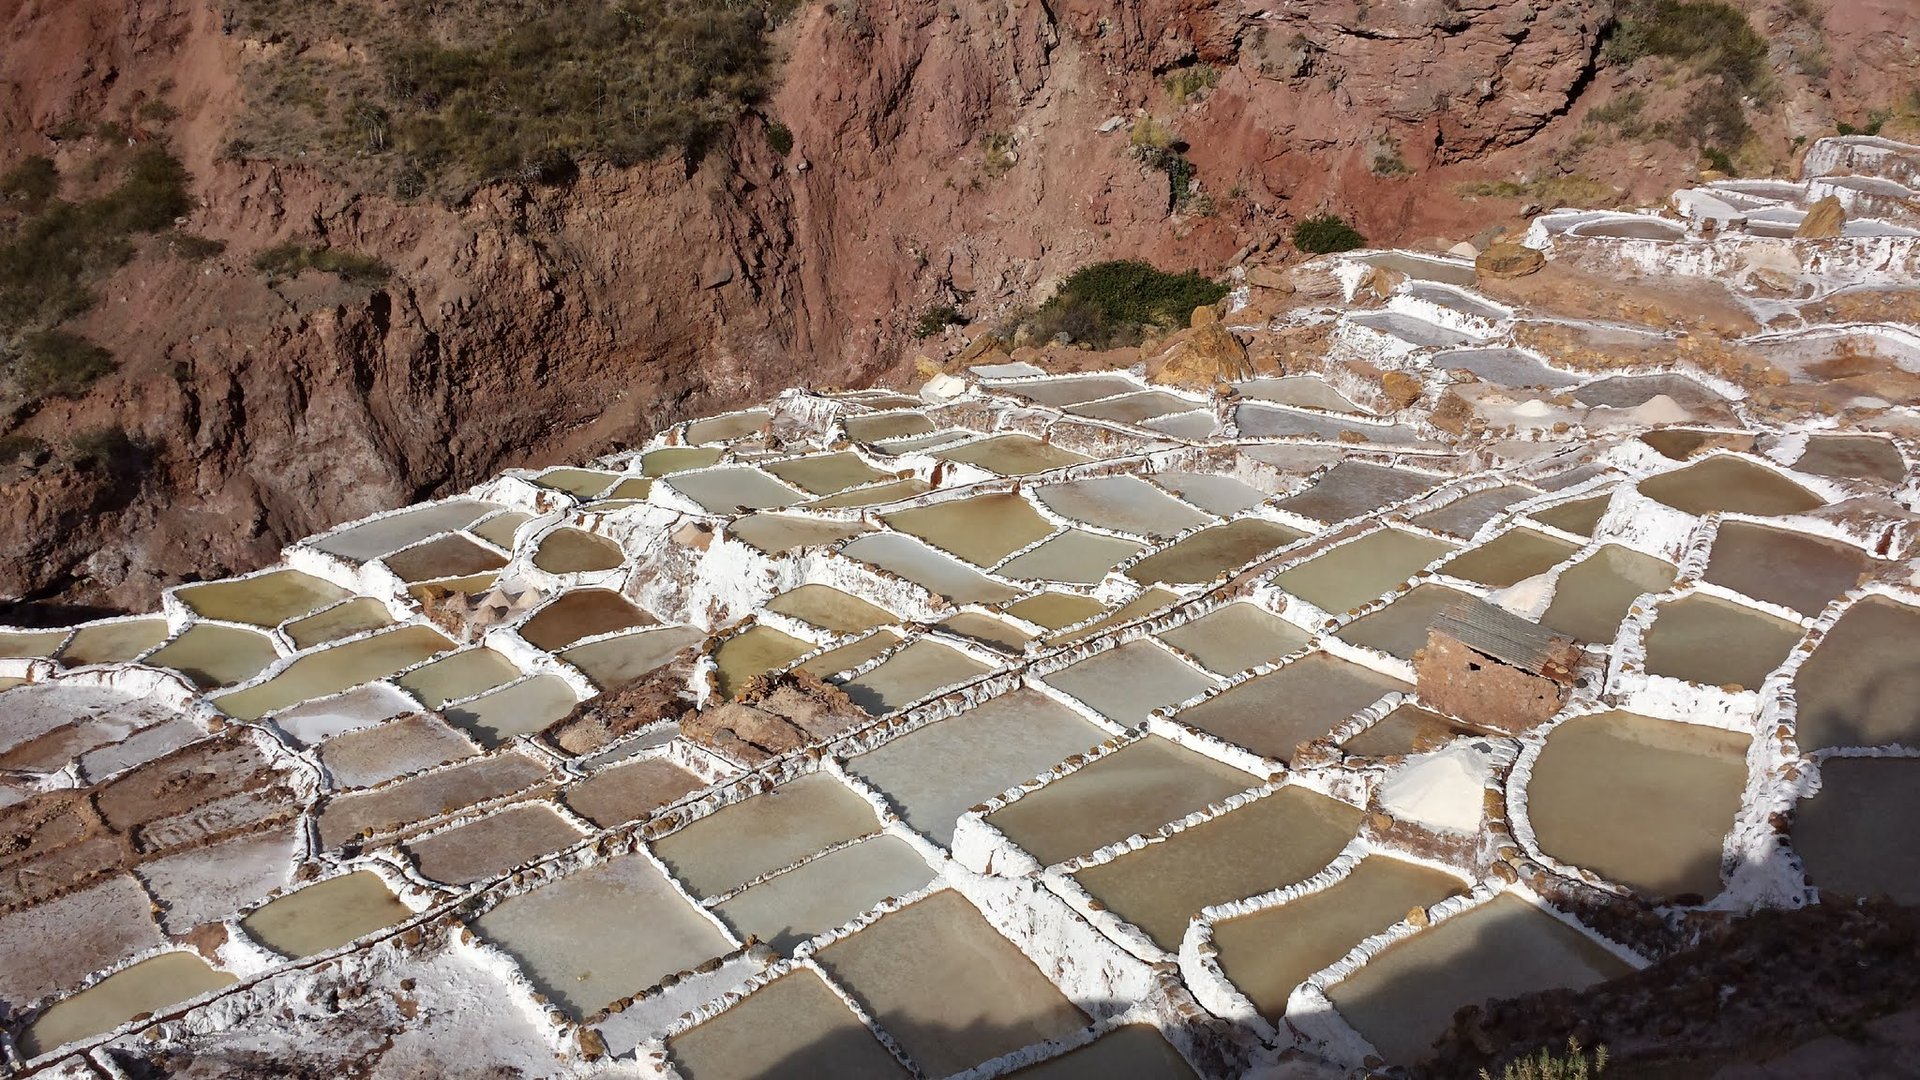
(1712, 39)
(936, 319)
(289, 259)
(1546, 1065)
(57, 363)
(1190, 83)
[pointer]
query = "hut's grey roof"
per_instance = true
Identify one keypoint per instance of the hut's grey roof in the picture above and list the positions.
(1502, 635)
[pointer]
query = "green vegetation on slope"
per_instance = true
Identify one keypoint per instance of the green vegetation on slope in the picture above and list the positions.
(1325, 233)
(52, 252)
(1111, 304)
(1713, 41)
(523, 91)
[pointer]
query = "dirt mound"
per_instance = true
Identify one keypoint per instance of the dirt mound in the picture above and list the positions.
(773, 715)
(1752, 990)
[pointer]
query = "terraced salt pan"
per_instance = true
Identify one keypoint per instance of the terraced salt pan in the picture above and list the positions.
(1121, 503)
(347, 818)
(1593, 595)
(112, 642)
(848, 657)
(1072, 390)
(1859, 685)
(672, 459)
(446, 557)
(1408, 729)
(1791, 569)
(1351, 574)
(525, 707)
(1305, 390)
(1268, 953)
(1631, 391)
(1464, 516)
(830, 609)
(31, 642)
(1400, 628)
(581, 613)
(1579, 517)
(378, 754)
(1714, 642)
(743, 840)
(1236, 637)
(327, 915)
(891, 425)
(877, 495)
(929, 569)
(213, 656)
(982, 530)
(1133, 1052)
(1273, 714)
(1856, 836)
(1507, 367)
(502, 529)
(1134, 408)
(1211, 492)
(1053, 610)
(582, 483)
(1074, 557)
(1147, 603)
(206, 884)
(793, 1026)
(572, 551)
(826, 892)
(776, 534)
(264, 600)
(1004, 741)
(1128, 683)
(730, 489)
(1137, 788)
(392, 532)
(1260, 420)
(1643, 802)
(1205, 555)
(461, 675)
(1274, 841)
(1422, 267)
(148, 986)
(1511, 557)
(997, 634)
(1405, 997)
(314, 722)
(1352, 488)
(1418, 333)
(727, 428)
(628, 791)
(752, 653)
(493, 844)
(914, 672)
(341, 620)
(602, 933)
(989, 999)
(616, 661)
(1853, 457)
(1729, 485)
(55, 944)
(1012, 455)
(826, 474)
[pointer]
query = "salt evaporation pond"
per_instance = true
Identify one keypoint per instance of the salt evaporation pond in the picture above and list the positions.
(1273, 714)
(1859, 686)
(1644, 802)
(1856, 835)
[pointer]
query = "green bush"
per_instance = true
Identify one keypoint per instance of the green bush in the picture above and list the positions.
(32, 182)
(289, 259)
(1190, 82)
(780, 137)
(1326, 233)
(936, 319)
(56, 362)
(194, 248)
(1110, 304)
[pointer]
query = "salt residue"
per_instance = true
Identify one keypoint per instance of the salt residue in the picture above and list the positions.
(1444, 791)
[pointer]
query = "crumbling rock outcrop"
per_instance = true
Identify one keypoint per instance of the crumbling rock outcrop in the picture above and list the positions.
(773, 715)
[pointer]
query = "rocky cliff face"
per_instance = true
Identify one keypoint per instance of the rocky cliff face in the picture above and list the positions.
(945, 151)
